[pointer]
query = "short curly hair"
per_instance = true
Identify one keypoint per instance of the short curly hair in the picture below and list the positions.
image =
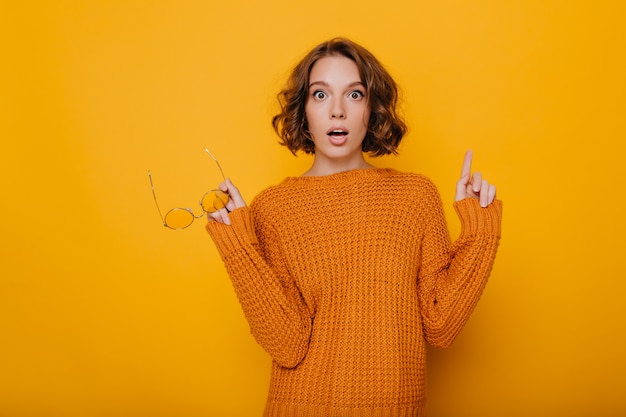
(385, 127)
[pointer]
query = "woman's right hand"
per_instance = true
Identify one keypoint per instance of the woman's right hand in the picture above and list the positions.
(235, 201)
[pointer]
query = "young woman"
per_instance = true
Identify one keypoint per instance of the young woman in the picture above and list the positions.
(347, 271)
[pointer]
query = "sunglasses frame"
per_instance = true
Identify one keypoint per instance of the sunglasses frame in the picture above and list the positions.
(187, 209)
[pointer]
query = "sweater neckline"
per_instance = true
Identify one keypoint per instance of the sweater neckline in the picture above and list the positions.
(354, 174)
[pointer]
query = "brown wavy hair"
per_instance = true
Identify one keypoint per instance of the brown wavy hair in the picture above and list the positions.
(385, 127)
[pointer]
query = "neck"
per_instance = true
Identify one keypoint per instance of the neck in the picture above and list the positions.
(323, 166)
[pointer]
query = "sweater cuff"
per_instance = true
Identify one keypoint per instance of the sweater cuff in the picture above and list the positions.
(229, 238)
(479, 220)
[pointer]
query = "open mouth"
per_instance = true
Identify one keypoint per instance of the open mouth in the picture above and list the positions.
(337, 133)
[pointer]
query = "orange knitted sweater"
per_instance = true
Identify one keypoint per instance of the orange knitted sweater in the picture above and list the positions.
(344, 278)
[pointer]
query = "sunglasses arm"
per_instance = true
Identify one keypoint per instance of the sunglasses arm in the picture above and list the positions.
(217, 162)
(155, 199)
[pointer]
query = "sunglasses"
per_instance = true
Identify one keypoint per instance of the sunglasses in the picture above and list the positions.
(180, 218)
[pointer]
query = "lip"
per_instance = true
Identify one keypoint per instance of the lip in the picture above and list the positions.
(338, 140)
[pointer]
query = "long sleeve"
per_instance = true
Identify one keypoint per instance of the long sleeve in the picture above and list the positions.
(452, 276)
(272, 305)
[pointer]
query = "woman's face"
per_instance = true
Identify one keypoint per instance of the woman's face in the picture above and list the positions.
(337, 110)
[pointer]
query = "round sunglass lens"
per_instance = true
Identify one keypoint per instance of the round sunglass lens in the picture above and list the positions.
(214, 200)
(178, 218)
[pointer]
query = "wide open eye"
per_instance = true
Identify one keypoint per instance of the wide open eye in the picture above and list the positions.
(356, 95)
(319, 95)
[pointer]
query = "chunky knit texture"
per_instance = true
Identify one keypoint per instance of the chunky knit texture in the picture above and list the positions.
(344, 278)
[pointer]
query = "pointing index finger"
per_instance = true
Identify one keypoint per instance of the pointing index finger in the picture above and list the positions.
(467, 164)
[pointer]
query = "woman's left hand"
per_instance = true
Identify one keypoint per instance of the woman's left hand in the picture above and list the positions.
(474, 186)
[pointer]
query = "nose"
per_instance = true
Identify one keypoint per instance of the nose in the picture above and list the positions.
(337, 110)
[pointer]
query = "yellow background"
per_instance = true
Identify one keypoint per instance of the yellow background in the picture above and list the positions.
(103, 312)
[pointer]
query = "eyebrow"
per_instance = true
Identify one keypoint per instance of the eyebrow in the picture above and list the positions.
(325, 84)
